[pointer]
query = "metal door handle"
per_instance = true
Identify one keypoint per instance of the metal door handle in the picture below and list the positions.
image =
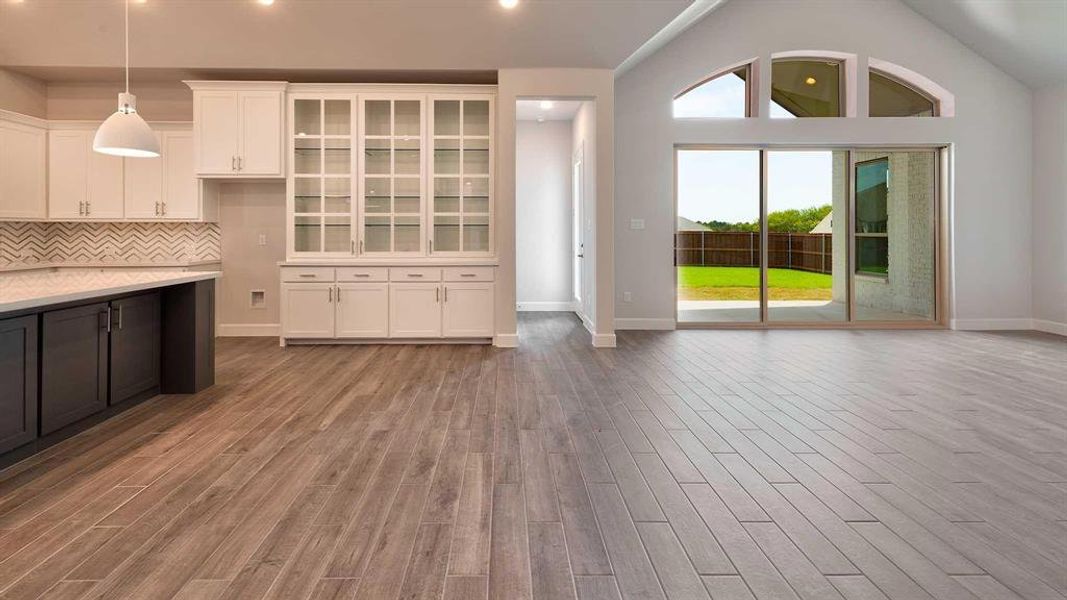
(581, 256)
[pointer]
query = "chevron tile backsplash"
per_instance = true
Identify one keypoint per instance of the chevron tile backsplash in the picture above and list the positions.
(142, 243)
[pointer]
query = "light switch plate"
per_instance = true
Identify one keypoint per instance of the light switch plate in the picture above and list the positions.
(262, 239)
(637, 223)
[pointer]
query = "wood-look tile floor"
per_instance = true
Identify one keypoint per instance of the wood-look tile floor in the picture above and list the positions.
(691, 464)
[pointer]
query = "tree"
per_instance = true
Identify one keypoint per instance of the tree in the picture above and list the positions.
(792, 220)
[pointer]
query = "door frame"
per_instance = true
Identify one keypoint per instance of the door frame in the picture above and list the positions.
(942, 188)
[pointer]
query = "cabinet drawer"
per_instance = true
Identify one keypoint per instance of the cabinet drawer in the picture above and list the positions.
(362, 274)
(468, 273)
(414, 274)
(298, 274)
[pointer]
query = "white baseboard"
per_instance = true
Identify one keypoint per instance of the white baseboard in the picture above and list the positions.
(249, 330)
(506, 340)
(1009, 325)
(1050, 327)
(603, 340)
(645, 324)
(544, 306)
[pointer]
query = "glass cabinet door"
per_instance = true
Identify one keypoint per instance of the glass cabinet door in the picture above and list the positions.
(462, 179)
(392, 176)
(322, 176)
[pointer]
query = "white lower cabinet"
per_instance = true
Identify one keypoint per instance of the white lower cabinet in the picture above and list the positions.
(362, 310)
(415, 310)
(307, 310)
(468, 310)
(321, 303)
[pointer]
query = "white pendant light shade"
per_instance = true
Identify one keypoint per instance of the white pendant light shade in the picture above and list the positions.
(125, 133)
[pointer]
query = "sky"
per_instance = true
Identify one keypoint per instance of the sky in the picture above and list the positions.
(723, 185)
(718, 185)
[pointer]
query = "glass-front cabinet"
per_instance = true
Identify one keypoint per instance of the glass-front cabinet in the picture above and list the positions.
(461, 166)
(321, 170)
(390, 175)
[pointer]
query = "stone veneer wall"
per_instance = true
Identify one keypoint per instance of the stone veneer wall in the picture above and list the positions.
(41, 243)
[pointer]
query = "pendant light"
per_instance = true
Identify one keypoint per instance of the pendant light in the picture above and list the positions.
(125, 133)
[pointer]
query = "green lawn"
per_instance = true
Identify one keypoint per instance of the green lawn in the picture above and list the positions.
(742, 283)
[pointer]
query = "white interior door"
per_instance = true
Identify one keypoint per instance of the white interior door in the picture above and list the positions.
(582, 224)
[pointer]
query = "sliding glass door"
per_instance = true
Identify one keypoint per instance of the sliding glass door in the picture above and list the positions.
(806, 236)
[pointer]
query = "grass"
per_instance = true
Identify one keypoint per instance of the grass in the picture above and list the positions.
(742, 283)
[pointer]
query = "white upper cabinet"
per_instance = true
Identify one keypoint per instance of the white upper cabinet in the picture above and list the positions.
(390, 172)
(238, 128)
(181, 190)
(22, 168)
(82, 184)
(144, 186)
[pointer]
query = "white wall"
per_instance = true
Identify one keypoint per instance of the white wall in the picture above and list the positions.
(543, 215)
(990, 134)
(246, 211)
(594, 85)
(1050, 209)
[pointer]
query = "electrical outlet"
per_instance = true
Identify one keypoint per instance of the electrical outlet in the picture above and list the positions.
(262, 239)
(637, 224)
(627, 297)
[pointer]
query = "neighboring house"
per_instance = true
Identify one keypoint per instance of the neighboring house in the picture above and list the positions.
(826, 225)
(685, 224)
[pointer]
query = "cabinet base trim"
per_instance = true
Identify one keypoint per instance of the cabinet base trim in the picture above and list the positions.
(506, 340)
(603, 340)
(249, 330)
(353, 341)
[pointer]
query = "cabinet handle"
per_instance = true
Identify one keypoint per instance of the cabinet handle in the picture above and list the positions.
(330, 299)
(468, 274)
(88, 207)
(338, 294)
(233, 163)
(437, 295)
(240, 163)
(353, 246)
(306, 275)
(120, 316)
(431, 246)
(414, 274)
(108, 317)
(164, 204)
(446, 293)
(361, 246)
(81, 208)
(361, 274)
(157, 209)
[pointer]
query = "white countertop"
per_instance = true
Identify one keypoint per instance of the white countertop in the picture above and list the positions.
(41, 288)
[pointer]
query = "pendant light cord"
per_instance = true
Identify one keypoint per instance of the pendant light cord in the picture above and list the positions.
(127, 46)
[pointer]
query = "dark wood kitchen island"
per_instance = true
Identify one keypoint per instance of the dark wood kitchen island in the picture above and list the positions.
(79, 346)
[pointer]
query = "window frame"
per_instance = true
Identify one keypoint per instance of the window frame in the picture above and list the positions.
(842, 83)
(857, 235)
(749, 70)
(871, 71)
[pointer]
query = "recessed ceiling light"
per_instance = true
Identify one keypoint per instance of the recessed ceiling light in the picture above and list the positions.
(509, 3)
(547, 104)
(810, 81)
(265, 2)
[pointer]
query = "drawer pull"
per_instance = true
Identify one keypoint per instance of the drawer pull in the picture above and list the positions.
(414, 274)
(468, 274)
(361, 274)
(307, 275)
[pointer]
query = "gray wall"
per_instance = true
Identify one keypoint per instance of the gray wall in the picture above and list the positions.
(543, 215)
(1050, 209)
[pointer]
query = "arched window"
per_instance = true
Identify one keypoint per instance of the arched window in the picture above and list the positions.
(722, 96)
(806, 87)
(890, 97)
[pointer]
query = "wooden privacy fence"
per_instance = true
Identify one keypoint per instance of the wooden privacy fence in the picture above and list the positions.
(801, 251)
